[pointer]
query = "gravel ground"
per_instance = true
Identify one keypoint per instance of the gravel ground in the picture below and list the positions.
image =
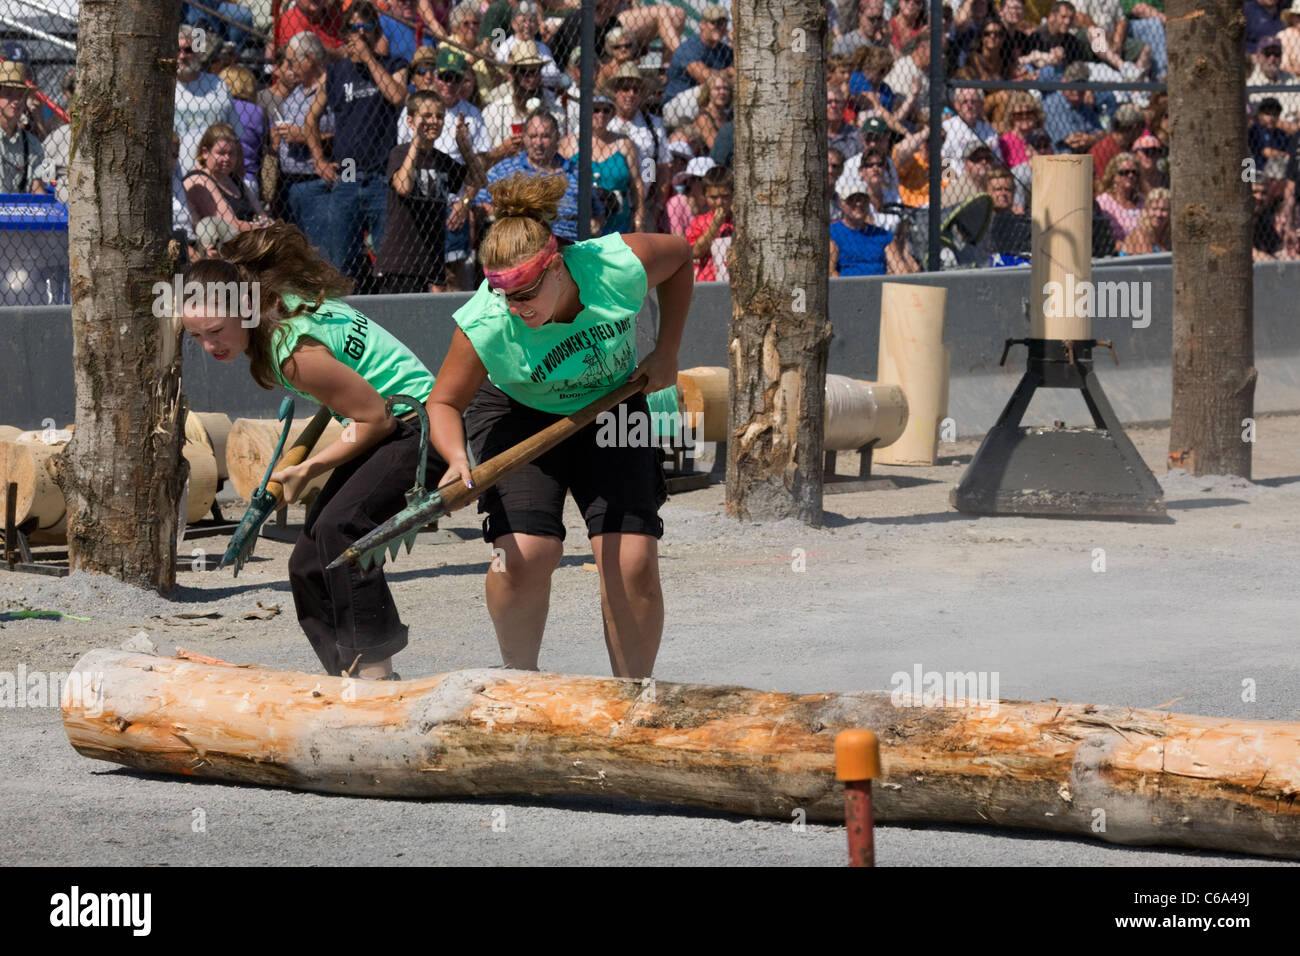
(1188, 611)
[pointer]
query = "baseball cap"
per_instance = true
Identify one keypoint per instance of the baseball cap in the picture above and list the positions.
(1127, 116)
(449, 59)
(714, 11)
(875, 126)
(679, 148)
(1148, 141)
(696, 167)
(848, 185)
(976, 147)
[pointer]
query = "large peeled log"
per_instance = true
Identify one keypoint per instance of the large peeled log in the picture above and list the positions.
(1159, 778)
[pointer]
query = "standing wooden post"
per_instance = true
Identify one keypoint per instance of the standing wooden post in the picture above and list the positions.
(779, 262)
(122, 473)
(1214, 343)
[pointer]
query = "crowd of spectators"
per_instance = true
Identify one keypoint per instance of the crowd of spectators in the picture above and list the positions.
(377, 127)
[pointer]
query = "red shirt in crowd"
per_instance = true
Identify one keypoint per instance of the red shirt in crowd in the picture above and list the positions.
(330, 28)
(704, 268)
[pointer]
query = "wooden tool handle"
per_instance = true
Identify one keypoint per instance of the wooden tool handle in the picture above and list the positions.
(456, 494)
(300, 449)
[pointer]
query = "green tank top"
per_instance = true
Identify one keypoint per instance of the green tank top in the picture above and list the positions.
(562, 367)
(356, 341)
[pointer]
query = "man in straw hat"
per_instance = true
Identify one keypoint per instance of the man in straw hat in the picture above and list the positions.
(646, 132)
(505, 115)
(20, 151)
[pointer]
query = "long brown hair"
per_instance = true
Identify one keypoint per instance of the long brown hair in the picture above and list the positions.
(525, 206)
(281, 261)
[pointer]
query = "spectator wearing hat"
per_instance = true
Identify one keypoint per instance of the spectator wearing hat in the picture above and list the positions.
(1152, 167)
(872, 30)
(1118, 195)
(1266, 140)
(505, 116)
(615, 182)
(978, 162)
(321, 17)
(873, 167)
(967, 127)
(696, 60)
(543, 155)
(1263, 20)
(877, 137)
(202, 99)
(843, 136)
(1125, 127)
(860, 247)
(21, 152)
(646, 132)
(524, 25)
(1072, 120)
(688, 200)
(1268, 72)
(365, 91)
(620, 48)
(716, 223)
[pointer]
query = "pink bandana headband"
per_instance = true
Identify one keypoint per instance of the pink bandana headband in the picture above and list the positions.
(525, 272)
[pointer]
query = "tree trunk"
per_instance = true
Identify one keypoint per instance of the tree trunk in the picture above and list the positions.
(122, 474)
(1214, 345)
(778, 263)
(1122, 775)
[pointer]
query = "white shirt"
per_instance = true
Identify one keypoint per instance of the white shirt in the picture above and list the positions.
(901, 75)
(200, 104)
(959, 136)
(644, 141)
(500, 115)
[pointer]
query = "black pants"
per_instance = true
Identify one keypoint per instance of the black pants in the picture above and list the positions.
(347, 612)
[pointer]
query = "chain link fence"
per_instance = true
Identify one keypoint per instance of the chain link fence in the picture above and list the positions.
(376, 128)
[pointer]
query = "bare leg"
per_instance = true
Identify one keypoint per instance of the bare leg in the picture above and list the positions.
(631, 599)
(519, 594)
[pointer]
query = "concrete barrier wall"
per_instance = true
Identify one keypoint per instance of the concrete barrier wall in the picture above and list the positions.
(985, 308)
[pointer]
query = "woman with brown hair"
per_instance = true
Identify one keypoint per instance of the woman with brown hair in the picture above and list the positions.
(715, 108)
(215, 187)
(302, 336)
(551, 329)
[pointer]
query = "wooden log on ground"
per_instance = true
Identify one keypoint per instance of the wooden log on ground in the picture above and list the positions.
(855, 413)
(26, 462)
(213, 430)
(252, 442)
(202, 482)
(1160, 778)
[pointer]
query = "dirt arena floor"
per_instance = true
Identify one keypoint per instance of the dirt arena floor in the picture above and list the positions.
(1196, 610)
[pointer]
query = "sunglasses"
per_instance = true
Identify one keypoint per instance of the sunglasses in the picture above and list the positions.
(425, 70)
(1126, 172)
(857, 199)
(361, 27)
(995, 33)
(1276, 51)
(528, 294)
(1151, 150)
(874, 164)
(449, 76)
(602, 108)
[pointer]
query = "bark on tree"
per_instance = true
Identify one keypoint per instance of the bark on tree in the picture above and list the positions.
(122, 474)
(1119, 774)
(778, 262)
(1213, 338)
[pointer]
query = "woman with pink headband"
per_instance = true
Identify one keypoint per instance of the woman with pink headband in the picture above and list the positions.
(551, 329)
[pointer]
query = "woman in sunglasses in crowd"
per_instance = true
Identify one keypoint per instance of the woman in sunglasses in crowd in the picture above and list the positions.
(1120, 197)
(551, 329)
(613, 167)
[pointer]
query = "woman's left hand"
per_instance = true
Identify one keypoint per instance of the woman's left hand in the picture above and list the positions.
(294, 478)
(661, 370)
